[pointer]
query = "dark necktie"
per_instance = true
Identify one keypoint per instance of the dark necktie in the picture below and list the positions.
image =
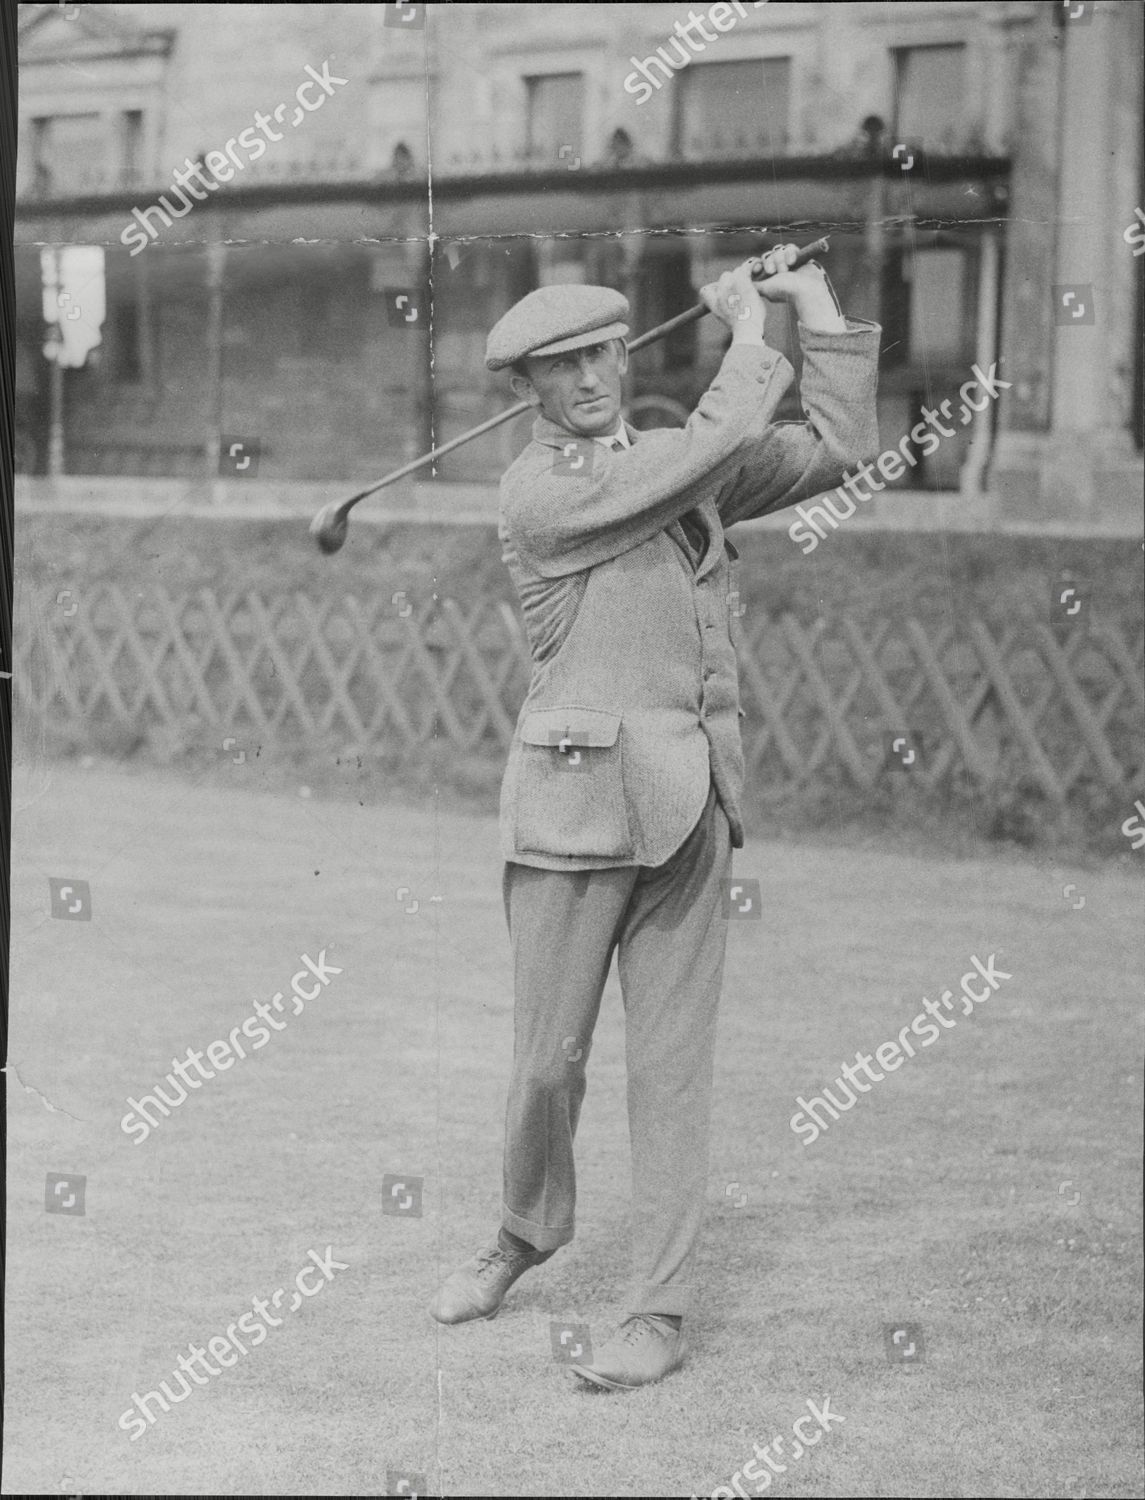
(690, 524)
(693, 529)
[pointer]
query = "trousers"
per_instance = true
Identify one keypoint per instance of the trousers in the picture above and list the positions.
(666, 925)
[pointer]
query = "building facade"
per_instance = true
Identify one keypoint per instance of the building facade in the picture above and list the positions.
(311, 215)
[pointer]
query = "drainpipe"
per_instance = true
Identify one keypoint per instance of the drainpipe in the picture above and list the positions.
(216, 263)
(986, 345)
(54, 350)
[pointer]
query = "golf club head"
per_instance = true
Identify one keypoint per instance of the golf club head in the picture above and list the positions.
(329, 527)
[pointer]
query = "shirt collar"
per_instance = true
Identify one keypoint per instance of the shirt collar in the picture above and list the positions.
(555, 436)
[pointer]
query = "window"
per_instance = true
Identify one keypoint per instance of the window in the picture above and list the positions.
(666, 289)
(69, 154)
(939, 330)
(131, 147)
(123, 355)
(402, 162)
(724, 108)
(927, 317)
(555, 118)
(930, 92)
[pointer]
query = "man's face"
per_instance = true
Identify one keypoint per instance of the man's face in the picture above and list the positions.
(579, 390)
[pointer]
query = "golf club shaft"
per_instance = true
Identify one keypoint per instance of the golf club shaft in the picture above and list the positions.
(808, 252)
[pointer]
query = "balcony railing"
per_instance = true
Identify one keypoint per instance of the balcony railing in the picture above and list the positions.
(44, 186)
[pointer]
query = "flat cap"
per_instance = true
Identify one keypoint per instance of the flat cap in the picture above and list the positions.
(555, 318)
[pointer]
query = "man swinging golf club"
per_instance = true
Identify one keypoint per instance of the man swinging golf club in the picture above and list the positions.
(620, 804)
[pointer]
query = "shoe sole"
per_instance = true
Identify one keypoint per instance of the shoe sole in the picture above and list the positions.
(475, 1318)
(618, 1385)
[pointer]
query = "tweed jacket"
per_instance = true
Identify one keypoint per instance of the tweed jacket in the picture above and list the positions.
(633, 707)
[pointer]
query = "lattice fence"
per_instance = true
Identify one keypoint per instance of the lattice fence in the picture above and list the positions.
(834, 699)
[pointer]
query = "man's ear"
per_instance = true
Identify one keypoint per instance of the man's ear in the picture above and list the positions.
(621, 356)
(524, 389)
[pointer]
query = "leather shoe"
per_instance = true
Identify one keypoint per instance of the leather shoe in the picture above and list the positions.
(643, 1349)
(478, 1288)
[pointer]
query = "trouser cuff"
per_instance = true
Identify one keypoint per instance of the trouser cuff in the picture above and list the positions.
(541, 1236)
(674, 1299)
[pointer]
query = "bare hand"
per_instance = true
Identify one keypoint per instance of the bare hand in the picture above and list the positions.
(806, 289)
(735, 300)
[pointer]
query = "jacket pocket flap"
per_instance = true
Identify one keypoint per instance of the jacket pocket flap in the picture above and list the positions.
(571, 726)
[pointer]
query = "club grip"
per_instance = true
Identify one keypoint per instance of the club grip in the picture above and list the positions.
(806, 253)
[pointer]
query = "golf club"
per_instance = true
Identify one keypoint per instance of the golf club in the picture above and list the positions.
(330, 525)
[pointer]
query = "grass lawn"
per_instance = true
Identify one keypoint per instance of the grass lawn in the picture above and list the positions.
(987, 1192)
